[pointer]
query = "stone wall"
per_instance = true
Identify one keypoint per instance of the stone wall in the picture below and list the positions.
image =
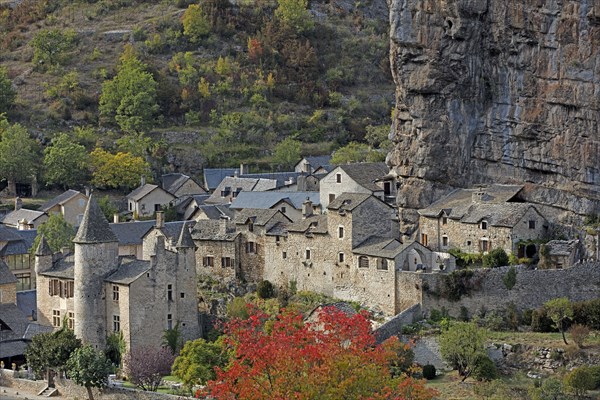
(8, 293)
(394, 326)
(7, 379)
(533, 288)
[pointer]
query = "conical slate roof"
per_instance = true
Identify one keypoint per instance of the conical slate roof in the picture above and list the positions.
(94, 227)
(185, 238)
(43, 248)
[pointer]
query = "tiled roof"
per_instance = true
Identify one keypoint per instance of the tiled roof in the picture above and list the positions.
(11, 340)
(214, 176)
(13, 217)
(312, 224)
(173, 182)
(365, 174)
(319, 161)
(94, 227)
(265, 200)
(60, 199)
(279, 229)
(141, 192)
(18, 242)
(561, 247)
(131, 233)
(6, 276)
(128, 271)
(172, 230)
(507, 214)
(348, 201)
(281, 179)
(259, 217)
(63, 268)
(35, 329)
(43, 248)
(209, 229)
(231, 185)
(8, 234)
(216, 211)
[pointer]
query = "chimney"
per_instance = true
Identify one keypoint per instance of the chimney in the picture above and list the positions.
(87, 191)
(223, 225)
(243, 169)
(116, 218)
(23, 225)
(307, 208)
(478, 195)
(142, 180)
(18, 203)
(160, 220)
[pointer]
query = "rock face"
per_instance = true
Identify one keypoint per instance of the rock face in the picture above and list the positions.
(496, 91)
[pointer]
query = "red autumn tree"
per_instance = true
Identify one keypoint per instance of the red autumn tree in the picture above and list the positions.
(335, 357)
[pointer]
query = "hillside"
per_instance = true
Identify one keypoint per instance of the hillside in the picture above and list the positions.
(229, 87)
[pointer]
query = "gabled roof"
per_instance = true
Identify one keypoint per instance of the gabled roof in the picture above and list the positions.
(382, 247)
(13, 217)
(21, 245)
(258, 217)
(348, 201)
(173, 182)
(209, 229)
(216, 211)
(366, 174)
(43, 248)
(144, 191)
(128, 271)
(60, 199)
(281, 178)
(131, 233)
(195, 200)
(94, 227)
(265, 200)
(312, 224)
(231, 185)
(278, 229)
(318, 162)
(506, 215)
(13, 341)
(214, 176)
(63, 268)
(6, 276)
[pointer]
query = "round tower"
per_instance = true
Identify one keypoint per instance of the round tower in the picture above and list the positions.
(96, 256)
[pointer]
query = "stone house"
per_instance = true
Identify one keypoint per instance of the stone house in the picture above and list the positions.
(230, 187)
(218, 248)
(23, 219)
(8, 285)
(147, 199)
(131, 234)
(70, 204)
(180, 185)
(100, 293)
(314, 165)
(214, 176)
(190, 204)
(289, 203)
(479, 220)
(212, 211)
(14, 251)
(561, 253)
(367, 178)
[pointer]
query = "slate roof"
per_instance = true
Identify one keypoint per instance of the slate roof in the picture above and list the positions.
(561, 247)
(185, 237)
(60, 199)
(214, 176)
(64, 268)
(231, 185)
(128, 271)
(265, 200)
(381, 247)
(318, 162)
(27, 301)
(142, 192)
(17, 242)
(342, 306)
(312, 224)
(279, 229)
(348, 201)
(365, 174)
(6, 277)
(8, 234)
(173, 182)
(11, 340)
(209, 229)
(94, 227)
(131, 233)
(43, 248)
(13, 217)
(281, 178)
(197, 199)
(216, 211)
(172, 230)
(259, 217)
(507, 214)
(457, 203)
(36, 329)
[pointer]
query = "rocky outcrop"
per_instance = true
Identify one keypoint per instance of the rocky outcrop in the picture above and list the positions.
(495, 92)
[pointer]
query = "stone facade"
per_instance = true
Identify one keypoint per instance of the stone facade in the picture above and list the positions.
(150, 202)
(71, 208)
(8, 293)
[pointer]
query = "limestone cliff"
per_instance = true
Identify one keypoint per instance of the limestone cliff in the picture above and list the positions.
(496, 91)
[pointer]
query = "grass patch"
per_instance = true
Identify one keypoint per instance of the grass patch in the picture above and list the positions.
(539, 339)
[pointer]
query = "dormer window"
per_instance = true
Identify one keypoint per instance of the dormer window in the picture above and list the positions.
(531, 224)
(444, 220)
(483, 225)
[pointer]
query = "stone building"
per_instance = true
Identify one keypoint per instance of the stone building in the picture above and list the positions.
(314, 165)
(99, 293)
(180, 185)
(289, 203)
(218, 248)
(561, 253)
(148, 199)
(479, 220)
(14, 251)
(70, 204)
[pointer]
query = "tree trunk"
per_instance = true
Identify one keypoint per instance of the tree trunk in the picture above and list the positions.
(12, 187)
(562, 331)
(90, 394)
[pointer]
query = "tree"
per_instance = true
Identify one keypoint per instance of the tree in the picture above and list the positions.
(7, 93)
(335, 357)
(559, 310)
(115, 348)
(195, 23)
(287, 153)
(462, 345)
(109, 209)
(550, 389)
(58, 233)
(294, 14)
(197, 361)
(172, 339)
(495, 258)
(510, 278)
(130, 97)
(51, 46)
(356, 152)
(90, 368)
(579, 381)
(51, 350)
(65, 162)
(121, 170)
(146, 365)
(19, 154)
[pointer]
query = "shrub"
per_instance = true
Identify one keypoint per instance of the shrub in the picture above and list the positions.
(457, 284)
(429, 372)
(510, 278)
(587, 313)
(265, 290)
(579, 381)
(495, 258)
(540, 322)
(485, 369)
(7, 95)
(579, 333)
(196, 24)
(50, 47)
(595, 371)
(237, 308)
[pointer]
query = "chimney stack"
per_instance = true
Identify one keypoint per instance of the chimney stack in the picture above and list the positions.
(87, 191)
(18, 203)
(116, 218)
(142, 180)
(478, 195)
(23, 225)
(243, 169)
(160, 219)
(307, 208)
(223, 225)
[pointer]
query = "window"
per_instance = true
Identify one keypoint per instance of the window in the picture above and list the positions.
(208, 261)
(284, 255)
(169, 321)
(484, 245)
(157, 207)
(115, 290)
(116, 323)
(24, 281)
(251, 247)
(338, 178)
(226, 262)
(143, 206)
(484, 225)
(277, 238)
(424, 239)
(531, 224)
(55, 317)
(387, 188)
(71, 320)
(54, 287)
(341, 257)
(283, 209)
(341, 232)
(182, 295)
(68, 289)
(469, 243)
(444, 220)
(130, 206)
(250, 227)
(382, 264)
(170, 292)
(363, 262)
(308, 254)
(445, 241)
(331, 197)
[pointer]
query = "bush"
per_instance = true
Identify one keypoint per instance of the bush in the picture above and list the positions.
(595, 371)
(540, 322)
(429, 372)
(485, 369)
(457, 284)
(265, 290)
(510, 278)
(237, 308)
(579, 381)
(587, 313)
(50, 47)
(495, 258)
(579, 333)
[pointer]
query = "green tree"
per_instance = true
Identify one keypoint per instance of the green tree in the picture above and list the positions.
(19, 154)
(7, 93)
(58, 233)
(130, 97)
(115, 348)
(90, 368)
(172, 339)
(196, 24)
(559, 310)
(121, 170)
(356, 152)
(51, 350)
(550, 389)
(579, 381)
(462, 345)
(294, 14)
(109, 209)
(65, 162)
(197, 361)
(51, 46)
(287, 153)
(510, 278)
(495, 258)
